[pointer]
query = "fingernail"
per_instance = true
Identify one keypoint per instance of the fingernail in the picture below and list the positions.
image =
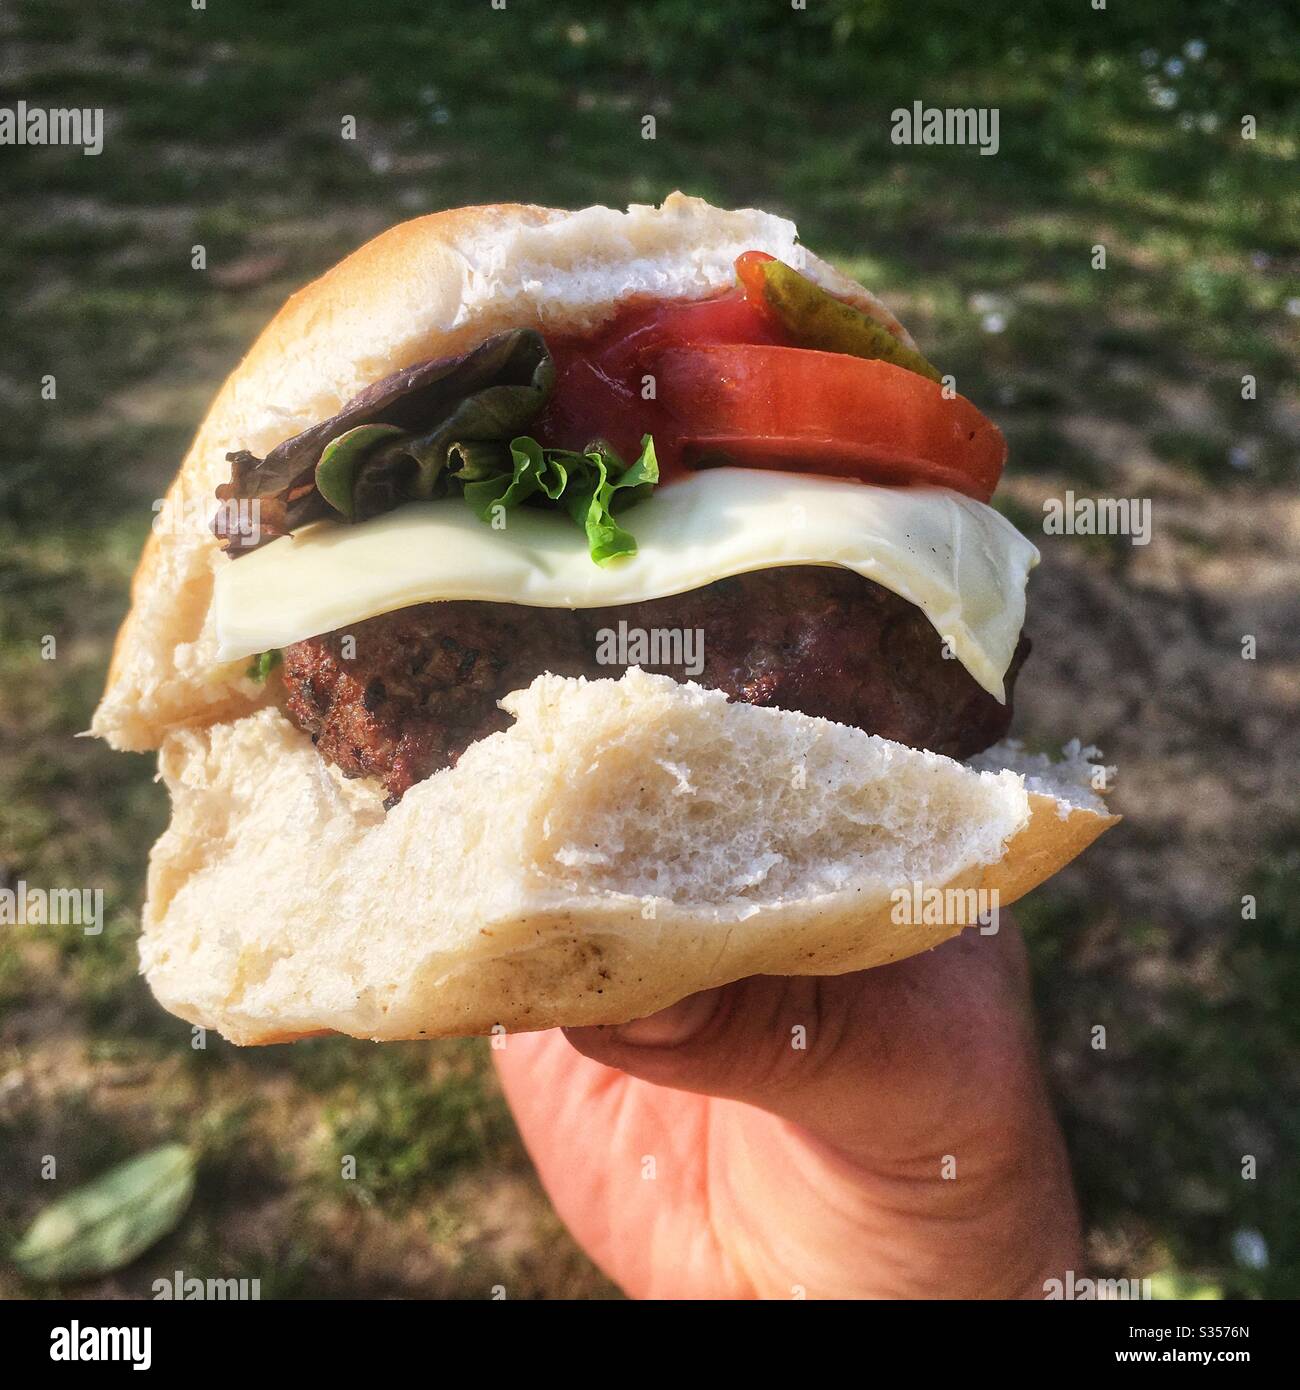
(672, 1026)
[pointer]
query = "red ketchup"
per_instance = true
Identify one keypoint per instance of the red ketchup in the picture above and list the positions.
(600, 387)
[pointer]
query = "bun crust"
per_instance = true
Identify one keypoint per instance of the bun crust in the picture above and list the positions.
(624, 843)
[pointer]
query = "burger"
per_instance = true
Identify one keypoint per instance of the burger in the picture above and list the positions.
(559, 613)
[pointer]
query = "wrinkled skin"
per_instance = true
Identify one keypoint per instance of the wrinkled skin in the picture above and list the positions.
(785, 1173)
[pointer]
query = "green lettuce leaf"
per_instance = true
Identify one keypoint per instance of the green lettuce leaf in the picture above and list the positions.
(263, 664)
(372, 468)
(592, 502)
(589, 485)
(342, 460)
(442, 427)
(391, 443)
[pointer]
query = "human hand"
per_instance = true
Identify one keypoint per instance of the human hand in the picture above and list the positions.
(908, 1151)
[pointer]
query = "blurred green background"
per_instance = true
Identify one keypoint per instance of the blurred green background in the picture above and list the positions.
(1120, 127)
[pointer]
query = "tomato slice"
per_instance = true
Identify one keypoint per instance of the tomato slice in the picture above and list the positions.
(824, 412)
(599, 383)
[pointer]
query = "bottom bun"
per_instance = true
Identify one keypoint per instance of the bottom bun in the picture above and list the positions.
(623, 844)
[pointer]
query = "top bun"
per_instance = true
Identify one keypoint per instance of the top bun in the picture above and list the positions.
(431, 287)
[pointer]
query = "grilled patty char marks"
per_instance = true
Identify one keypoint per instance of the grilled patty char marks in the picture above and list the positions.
(401, 696)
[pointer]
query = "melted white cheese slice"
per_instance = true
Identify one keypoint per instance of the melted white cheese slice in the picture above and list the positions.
(957, 560)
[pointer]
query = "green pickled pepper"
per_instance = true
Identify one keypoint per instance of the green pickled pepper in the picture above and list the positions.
(816, 319)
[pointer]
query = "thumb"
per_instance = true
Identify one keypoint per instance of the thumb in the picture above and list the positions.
(750, 1041)
(874, 1062)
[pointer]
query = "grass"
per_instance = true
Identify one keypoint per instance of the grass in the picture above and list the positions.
(224, 130)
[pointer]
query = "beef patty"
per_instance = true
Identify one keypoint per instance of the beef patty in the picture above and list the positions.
(400, 696)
